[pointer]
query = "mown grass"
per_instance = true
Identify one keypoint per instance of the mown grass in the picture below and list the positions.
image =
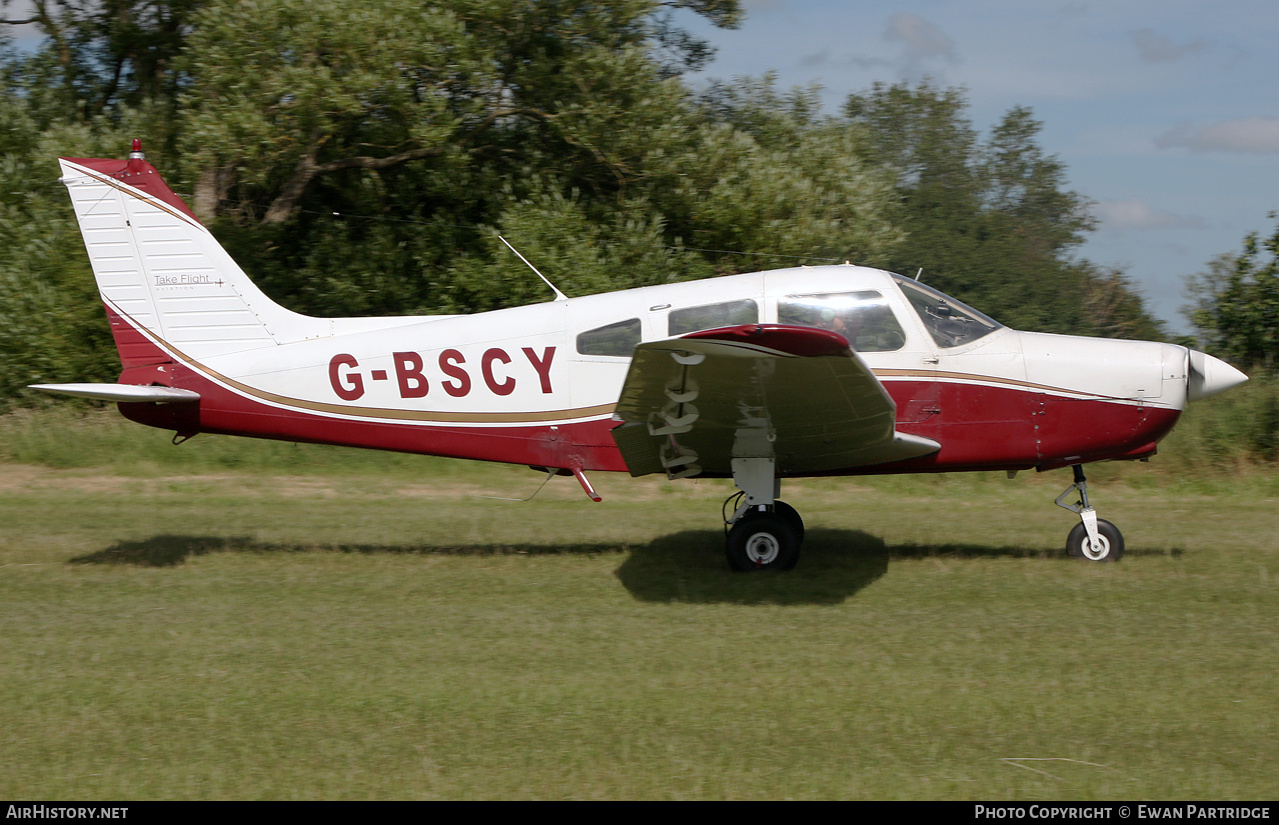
(234, 619)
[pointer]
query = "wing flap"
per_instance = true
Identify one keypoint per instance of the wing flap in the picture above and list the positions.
(795, 394)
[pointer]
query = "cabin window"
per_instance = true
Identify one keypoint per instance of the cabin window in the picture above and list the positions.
(864, 318)
(949, 322)
(619, 339)
(712, 316)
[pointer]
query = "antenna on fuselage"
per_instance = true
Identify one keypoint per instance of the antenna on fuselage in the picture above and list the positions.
(917, 274)
(559, 296)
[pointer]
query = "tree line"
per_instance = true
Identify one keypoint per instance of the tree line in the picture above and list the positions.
(362, 158)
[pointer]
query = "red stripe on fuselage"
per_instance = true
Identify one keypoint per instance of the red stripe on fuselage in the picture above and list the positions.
(134, 348)
(1072, 430)
(983, 426)
(585, 445)
(980, 426)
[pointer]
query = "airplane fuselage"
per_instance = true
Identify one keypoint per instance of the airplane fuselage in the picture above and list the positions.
(538, 384)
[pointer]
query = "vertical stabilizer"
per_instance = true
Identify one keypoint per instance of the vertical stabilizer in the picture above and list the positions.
(161, 271)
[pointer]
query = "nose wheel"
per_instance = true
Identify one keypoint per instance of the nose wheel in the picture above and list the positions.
(1109, 545)
(1093, 539)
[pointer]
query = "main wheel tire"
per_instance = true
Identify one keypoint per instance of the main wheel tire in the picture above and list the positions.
(762, 541)
(1111, 540)
(791, 516)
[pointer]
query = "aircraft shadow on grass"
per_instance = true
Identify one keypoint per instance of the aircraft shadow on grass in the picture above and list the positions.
(681, 567)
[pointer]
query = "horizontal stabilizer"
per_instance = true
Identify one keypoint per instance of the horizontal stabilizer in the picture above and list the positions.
(120, 392)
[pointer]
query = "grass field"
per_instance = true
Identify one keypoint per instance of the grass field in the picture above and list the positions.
(232, 619)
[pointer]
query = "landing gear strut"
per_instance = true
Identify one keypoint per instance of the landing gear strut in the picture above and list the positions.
(763, 533)
(1093, 539)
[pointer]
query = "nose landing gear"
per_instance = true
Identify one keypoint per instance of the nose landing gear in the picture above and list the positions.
(1093, 539)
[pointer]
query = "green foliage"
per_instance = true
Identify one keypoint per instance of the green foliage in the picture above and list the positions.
(988, 220)
(52, 327)
(362, 159)
(579, 255)
(1236, 303)
(98, 57)
(365, 168)
(94, 435)
(283, 96)
(1227, 432)
(279, 88)
(768, 176)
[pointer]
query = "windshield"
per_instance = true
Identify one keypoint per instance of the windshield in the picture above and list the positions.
(950, 322)
(864, 318)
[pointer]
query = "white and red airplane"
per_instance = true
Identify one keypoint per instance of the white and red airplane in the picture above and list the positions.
(808, 371)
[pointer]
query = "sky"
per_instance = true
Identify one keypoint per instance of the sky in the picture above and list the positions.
(1164, 112)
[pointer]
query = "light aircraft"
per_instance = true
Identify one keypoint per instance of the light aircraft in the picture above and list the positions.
(807, 371)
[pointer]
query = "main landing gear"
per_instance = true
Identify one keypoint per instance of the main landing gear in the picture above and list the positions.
(763, 533)
(1093, 539)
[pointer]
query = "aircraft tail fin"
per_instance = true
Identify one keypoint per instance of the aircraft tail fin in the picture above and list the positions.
(166, 281)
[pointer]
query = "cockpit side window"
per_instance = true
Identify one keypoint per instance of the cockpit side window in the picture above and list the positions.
(950, 322)
(728, 314)
(864, 318)
(619, 339)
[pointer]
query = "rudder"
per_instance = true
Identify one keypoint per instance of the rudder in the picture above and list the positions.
(162, 274)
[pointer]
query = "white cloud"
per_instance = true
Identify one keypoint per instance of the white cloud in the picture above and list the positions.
(1253, 135)
(1136, 214)
(1155, 48)
(921, 46)
(817, 59)
(922, 43)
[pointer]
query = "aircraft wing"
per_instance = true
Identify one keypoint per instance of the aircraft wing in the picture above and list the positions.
(799, 395)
